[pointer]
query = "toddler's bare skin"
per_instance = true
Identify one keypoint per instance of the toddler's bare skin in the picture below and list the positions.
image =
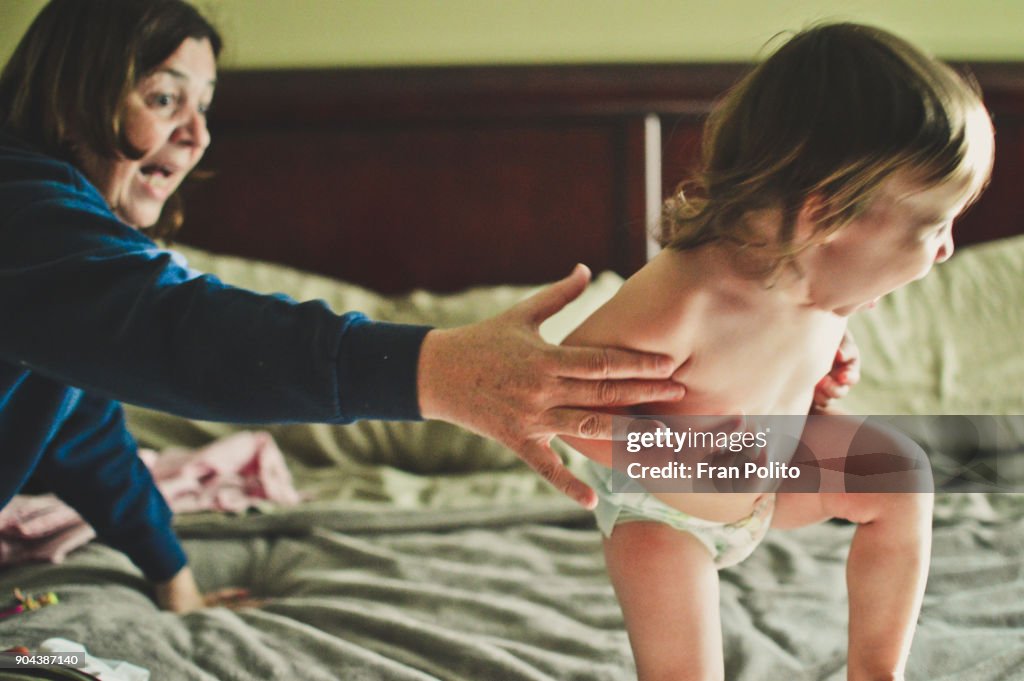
(742, 347)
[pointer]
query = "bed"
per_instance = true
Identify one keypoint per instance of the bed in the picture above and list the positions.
(422, 552)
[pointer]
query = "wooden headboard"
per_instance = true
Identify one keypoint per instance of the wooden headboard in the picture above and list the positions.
(441, 178)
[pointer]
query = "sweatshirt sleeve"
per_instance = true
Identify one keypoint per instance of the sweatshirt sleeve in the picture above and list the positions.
(95, 304)
(93, 465)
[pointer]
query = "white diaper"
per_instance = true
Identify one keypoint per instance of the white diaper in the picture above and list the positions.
(729, 543)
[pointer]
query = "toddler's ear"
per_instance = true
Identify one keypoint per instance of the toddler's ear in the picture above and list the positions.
(812, 213)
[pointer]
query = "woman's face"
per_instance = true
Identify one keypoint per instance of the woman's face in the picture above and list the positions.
(165, 118)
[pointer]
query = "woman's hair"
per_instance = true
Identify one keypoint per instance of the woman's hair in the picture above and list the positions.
(834, 112)
(69, 78)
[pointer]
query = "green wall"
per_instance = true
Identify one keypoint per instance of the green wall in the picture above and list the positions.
(287, 33)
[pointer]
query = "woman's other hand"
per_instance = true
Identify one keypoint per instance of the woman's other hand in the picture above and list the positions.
(181, 594)
(500, 379)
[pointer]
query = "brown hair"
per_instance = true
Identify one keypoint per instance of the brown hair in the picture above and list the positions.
(832, 113)
(68, 80)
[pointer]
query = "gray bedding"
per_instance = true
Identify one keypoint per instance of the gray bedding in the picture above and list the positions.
(490, 594)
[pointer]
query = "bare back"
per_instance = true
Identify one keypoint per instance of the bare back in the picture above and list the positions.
(741, 348)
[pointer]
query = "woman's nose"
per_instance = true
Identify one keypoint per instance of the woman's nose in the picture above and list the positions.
(193, 130)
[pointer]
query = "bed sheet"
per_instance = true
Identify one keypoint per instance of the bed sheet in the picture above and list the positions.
(493, 595)
(427, 553)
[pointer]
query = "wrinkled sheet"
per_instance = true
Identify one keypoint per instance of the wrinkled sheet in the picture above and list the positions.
(490, 595)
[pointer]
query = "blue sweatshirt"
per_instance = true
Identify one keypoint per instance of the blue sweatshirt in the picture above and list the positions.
(92, 312)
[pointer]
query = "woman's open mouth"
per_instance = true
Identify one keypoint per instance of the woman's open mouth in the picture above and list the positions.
(159, 179)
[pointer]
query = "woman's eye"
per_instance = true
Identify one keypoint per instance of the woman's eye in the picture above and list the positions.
(162, 100)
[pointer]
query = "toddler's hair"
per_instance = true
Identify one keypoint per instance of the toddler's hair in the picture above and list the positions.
(832, 113)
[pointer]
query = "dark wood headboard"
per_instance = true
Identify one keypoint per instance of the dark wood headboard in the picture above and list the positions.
(441, 178)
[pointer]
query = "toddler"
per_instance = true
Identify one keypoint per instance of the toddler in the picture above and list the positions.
(831, 176)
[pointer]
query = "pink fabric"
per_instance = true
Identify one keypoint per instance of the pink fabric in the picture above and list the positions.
(231, 474)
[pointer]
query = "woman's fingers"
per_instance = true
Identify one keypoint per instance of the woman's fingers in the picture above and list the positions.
(233, 593)
(499, 378)
(554, 297)
(589, 363)
(541, 458)
(232, 598)
(613, 393)
(610, 363)
(591, 425)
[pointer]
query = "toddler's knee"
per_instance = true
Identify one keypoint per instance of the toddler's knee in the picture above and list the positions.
(882, 459)
(908, 513)
(864, 508)
(925, 500)
(921, 506)
(910, 504)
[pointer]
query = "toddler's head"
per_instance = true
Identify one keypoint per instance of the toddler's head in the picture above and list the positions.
(830, 115)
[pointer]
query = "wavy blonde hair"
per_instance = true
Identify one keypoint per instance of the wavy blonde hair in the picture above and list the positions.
(832, 113)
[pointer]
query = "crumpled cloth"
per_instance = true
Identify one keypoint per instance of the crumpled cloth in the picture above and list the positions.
(237, 472)
(232, 474)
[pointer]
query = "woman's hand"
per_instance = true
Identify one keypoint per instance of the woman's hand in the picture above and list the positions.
(499, 378)
(844, 375)
(181, 594)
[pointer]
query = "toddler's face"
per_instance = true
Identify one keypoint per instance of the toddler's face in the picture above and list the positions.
(904, 232)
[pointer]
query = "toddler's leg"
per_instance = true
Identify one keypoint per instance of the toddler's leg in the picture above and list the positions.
(667, 585)
(888, 562)
(886, 574)
(886, 570)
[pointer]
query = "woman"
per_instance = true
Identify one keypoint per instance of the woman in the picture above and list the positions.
(102, 114)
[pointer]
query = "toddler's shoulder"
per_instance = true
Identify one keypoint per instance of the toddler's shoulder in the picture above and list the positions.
(659, 309)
